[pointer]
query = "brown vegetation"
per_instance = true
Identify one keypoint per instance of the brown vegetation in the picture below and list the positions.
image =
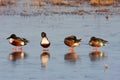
(38, 3)
(59, 2)
(54, 6)
(102, 2)
(7, 2)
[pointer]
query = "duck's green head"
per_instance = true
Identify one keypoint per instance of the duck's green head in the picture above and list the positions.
(12, 36)
(43, 34)
(93, 38)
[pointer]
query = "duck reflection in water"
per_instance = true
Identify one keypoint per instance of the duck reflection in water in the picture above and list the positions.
(45, 56)
(17, 55)
(71, 57)
(96, 56)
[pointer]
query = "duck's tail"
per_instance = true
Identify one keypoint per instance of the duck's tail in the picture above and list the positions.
(25, 41)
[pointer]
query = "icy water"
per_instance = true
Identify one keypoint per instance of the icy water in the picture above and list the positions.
(28, 65)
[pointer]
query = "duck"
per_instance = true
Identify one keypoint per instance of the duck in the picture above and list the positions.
(97, 42)
(45, 43)
(17, 41)
(72, 41)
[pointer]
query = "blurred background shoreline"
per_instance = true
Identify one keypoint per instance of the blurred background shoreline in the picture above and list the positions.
(48, 7)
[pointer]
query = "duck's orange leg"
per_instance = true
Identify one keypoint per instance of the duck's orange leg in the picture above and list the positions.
(71, 49)
(96, 49)
(14, 49)
(45, 50)
(21, 49)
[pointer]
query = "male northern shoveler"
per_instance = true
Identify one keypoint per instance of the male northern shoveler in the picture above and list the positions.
(17, 41)
(72, 42)
(45, 43)
(97, 42)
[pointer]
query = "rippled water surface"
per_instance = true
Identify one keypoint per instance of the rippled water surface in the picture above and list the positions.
(28, 64)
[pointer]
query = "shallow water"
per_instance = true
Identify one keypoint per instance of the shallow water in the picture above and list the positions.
(58, 27)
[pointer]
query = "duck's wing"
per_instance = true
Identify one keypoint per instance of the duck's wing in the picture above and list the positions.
(25, 40)
(72, 37)
(102, 40)
(18, 39)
